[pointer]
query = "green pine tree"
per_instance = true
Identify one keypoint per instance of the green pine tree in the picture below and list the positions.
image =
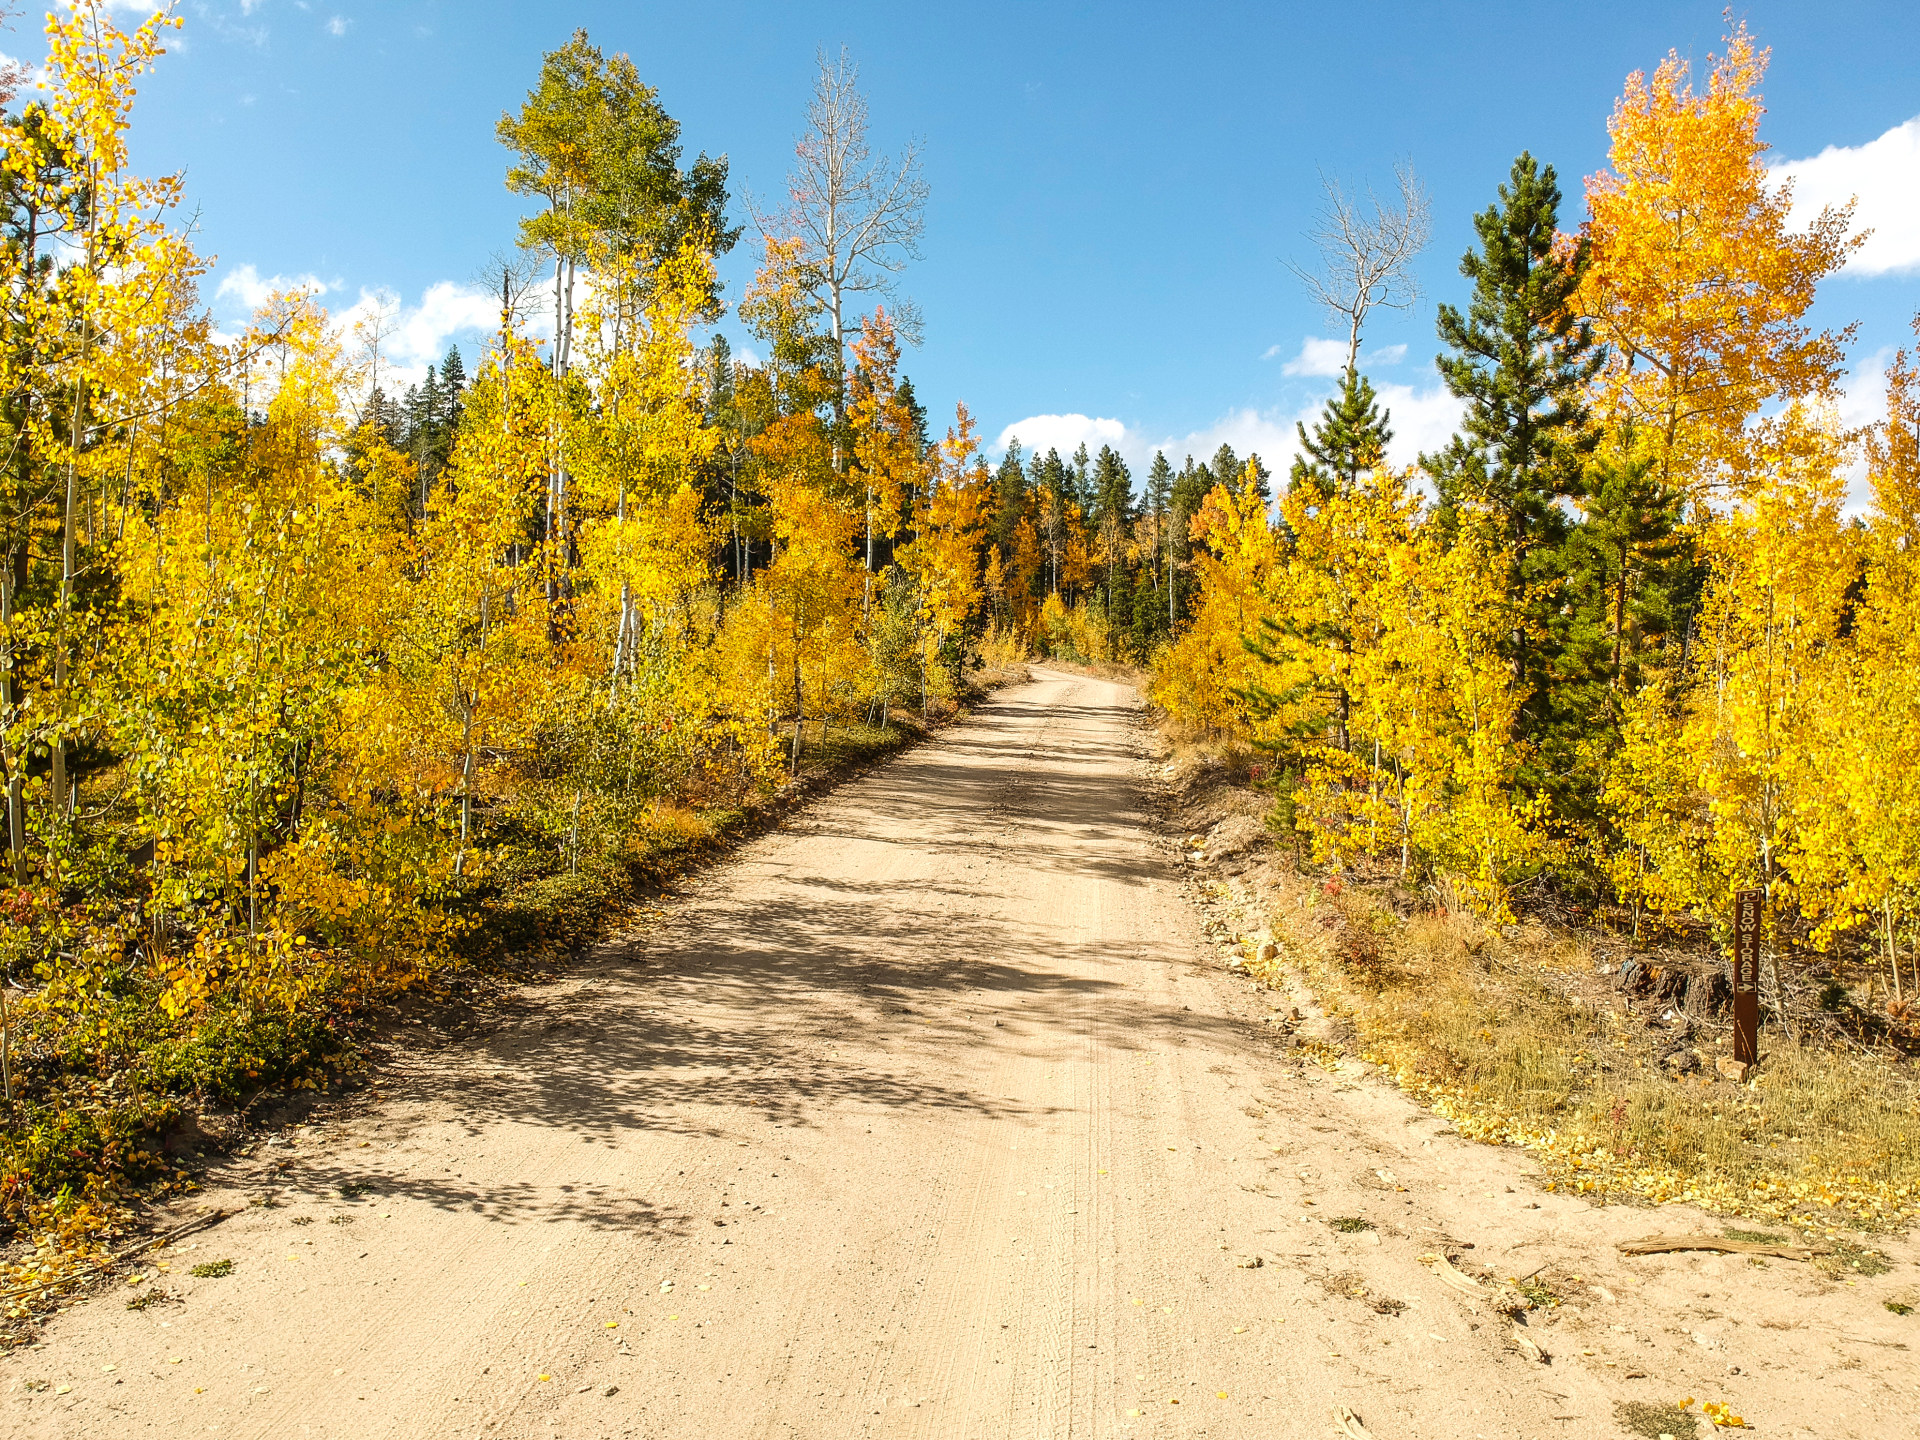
(1052, 486)
(1632, 575)
(911, 404)
(1189, 493)
(1156, 505)
(1149, 614)
(1112, 513)
(1009, 500)
(1349, 438)
(1521, 358)
(1081, 470)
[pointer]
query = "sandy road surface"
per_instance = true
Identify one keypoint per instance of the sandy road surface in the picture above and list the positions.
(929, 1115)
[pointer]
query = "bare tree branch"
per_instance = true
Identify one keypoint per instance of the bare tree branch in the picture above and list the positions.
(14, 74)
(371, 330)
(1366, 260)
(860, 215)
(514, 277)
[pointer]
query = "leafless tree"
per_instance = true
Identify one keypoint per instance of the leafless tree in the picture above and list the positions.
(372, 330)
(14, 75)
(514, 277)
(860, 215)
(1366, 259)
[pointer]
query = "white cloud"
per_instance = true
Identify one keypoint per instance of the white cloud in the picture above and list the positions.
(1040, 433)
(1863, 402)
(1317, 357)
(1421, 420)
(1266, 433)
(1883, 175)
(337, 26)
(421, 333)
(1327, 358)
(416, 335)
(251, 290)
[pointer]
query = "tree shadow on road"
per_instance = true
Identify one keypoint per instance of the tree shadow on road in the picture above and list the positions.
(793, 1002)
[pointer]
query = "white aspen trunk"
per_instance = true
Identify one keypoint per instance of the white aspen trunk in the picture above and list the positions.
(466, 788)
(1893, 948)
(471, 707)
(16, 765)
(67, 521)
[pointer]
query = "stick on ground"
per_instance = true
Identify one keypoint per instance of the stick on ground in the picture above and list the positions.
(1662, 1244)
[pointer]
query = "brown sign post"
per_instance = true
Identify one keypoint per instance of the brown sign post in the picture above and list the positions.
(1748, 908)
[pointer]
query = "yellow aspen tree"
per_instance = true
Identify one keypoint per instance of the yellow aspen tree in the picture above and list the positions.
(884, 459)
(1658, 816)
(246, 649)
(1429, 771)
(1457, 752)
(92, 278)
(1857, 851)
(1782, 565)
(1327, 620)
(813, 587)
(943, 559)
(469, 649)
(1204, 674)
(1330, 622)
(1698, 287)
(636, 445)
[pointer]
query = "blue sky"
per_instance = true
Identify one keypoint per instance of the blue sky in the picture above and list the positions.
(1115, 187)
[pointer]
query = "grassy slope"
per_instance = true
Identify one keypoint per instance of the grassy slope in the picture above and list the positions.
(1520, 1035)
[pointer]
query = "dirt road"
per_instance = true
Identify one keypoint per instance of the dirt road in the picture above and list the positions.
(930, 1115)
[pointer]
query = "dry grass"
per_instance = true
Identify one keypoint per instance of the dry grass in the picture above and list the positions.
(1652, 1420)
(1507, 1034)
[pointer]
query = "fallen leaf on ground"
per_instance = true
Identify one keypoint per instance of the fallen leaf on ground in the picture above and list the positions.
(1347, 1424)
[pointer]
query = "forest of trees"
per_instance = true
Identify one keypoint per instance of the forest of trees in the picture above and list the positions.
(1620, 641)
(303, 683)
(311, 690)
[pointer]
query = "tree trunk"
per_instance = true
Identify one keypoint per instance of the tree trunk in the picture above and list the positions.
(15, 765)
